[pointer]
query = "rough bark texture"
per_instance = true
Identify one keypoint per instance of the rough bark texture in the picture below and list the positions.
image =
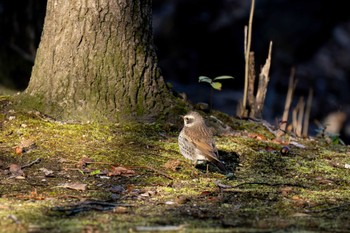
(96, 61)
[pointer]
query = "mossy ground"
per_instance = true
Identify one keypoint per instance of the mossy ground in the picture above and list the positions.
(305, 190)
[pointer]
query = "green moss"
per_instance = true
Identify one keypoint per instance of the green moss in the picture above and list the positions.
(268, 190)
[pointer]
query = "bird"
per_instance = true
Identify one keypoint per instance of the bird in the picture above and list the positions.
(196, 141)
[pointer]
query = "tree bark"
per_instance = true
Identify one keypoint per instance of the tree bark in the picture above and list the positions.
(96, 62)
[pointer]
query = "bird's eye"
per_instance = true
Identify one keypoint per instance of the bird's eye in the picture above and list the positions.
(188, 120)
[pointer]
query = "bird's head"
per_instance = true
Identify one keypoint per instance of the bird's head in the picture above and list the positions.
(192, 118)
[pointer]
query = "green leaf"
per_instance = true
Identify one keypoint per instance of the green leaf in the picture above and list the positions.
(204, 79)
(223, 77)
(216, 85)
(95, 172)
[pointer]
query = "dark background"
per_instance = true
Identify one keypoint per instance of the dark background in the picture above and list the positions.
(205, 37)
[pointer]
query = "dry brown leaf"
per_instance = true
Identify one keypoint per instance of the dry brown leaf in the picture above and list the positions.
(47, 172)
(75, 186)
(83, 162)
(16, 170)
(120, 171)
(25, 145)
(285, 191)
(173, 165)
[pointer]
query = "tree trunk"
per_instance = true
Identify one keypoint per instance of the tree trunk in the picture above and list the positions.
(96, 62)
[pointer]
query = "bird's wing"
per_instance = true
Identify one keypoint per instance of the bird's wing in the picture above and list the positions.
(205, 146)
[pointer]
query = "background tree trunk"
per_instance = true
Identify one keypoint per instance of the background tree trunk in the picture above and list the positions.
(96, 61)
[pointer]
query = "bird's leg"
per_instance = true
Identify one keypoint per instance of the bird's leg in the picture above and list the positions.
(202, 162)
(195, 164)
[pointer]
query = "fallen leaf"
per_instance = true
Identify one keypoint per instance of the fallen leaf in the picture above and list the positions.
(75, 186)
(16, 170)
(83, 162)
(25, 145)
(120, 171)
(300, 215)
(116, 189)
(95, 172)
(173, 165)
(285, 191)
(322, 180)
(257, 136)
(47, 172)
(120, 210)
(18, 150)
(158, 228)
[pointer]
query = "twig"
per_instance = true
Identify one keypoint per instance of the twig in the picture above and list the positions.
(264, 123)
(223, 186)
(14, 218)
(31, 163)
(86, 206)
(330, 208)
(270, 184)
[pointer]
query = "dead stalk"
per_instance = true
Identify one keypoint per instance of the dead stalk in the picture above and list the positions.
(251, 81)
(247, 54)
(299, 116)
(264, 79)
(291, 87)
(307, 113)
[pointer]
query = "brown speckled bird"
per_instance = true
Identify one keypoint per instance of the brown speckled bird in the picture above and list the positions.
(196, 141)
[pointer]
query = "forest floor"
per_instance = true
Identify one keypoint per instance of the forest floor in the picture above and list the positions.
(71, 177)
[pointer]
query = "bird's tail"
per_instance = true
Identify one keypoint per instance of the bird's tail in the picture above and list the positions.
(219, 164)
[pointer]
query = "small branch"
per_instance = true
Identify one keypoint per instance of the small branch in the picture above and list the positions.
(346, 205)
(223, 186)
(31, 163)
(270, 184)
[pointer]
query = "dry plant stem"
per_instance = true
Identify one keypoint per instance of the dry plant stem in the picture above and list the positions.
(247, 52)
(298, 114)
(262, 87)
(294, 118)
(307, 113)
(251, 80)
(245, 40)
(291, 88)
